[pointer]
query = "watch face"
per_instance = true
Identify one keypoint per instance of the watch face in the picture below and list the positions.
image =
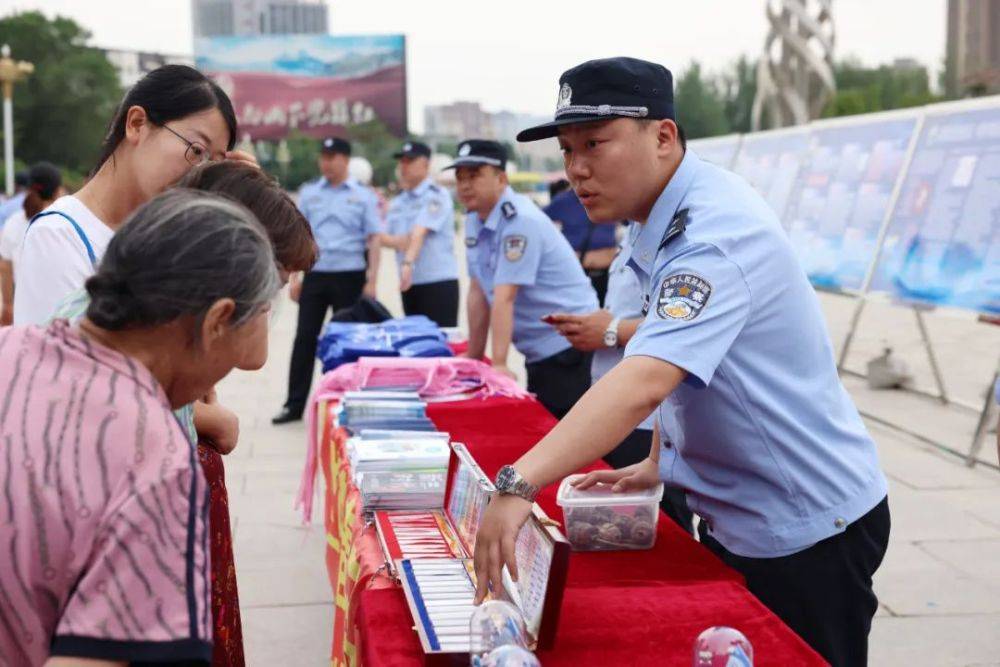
(506, 478)
(610, 339)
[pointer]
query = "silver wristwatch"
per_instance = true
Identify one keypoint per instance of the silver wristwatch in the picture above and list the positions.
(510, 483)
(611, 333)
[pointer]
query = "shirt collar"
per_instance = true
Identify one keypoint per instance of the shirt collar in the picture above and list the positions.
(424, 186)
(493, 219)
(649, 234)
(344, 185)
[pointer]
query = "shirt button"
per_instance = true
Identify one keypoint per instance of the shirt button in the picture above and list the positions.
(668, 444)
(645, 255)
(839, 523)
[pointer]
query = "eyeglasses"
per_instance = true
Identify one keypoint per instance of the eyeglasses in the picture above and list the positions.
(196, 154)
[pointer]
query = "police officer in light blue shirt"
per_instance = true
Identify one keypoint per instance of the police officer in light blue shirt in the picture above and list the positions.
(421, 228)
(521, 270)
(346, 223)
(758, 429)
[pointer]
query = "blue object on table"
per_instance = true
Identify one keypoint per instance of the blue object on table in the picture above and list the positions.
(414, 336)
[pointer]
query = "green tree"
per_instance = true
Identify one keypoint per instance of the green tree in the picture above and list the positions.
(700, 109)
(738, 87)
(61, 112)
(374, 141)
(863, 89)
(371, 140)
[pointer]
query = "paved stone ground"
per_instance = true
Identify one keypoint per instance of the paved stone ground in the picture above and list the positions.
(939, 586)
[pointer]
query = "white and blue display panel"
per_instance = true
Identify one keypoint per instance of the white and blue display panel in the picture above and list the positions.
(720, 151)
(842, 195)
(770, 162)
(942, 246)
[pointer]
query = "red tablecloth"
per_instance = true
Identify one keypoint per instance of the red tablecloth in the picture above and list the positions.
(619, 608)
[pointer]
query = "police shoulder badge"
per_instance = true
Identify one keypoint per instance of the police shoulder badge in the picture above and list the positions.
(565, 97)
(682, 296)
(513, 247)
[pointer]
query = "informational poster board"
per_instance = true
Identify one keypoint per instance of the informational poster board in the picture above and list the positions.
(720, 151)
(770, 161)
(315, 84)
(842, 195)
(942, 246)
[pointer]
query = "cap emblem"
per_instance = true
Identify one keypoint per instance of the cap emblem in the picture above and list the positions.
(565, 97)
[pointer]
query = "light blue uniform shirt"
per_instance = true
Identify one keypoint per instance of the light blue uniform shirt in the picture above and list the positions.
(766, 441)
(624, 300)
(342, 217)
(10, 206)
(428, 205)
(517, 244)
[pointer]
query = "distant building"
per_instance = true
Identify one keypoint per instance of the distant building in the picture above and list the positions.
(456, 121)
(210, 18)
(468, 120)
(133, 65)
(973, 47)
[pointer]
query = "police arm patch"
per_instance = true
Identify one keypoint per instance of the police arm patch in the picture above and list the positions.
(682, 296)
(513, 247)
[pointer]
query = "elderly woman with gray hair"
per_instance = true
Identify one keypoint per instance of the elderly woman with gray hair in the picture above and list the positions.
(107, 542)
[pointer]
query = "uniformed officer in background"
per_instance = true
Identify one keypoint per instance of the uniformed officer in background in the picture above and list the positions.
(594, 244)
(521, 269)
(421, 229)
(345, 221)
(733, 349)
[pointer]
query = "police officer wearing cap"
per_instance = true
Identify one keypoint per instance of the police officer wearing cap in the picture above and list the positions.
(521, 269)
(345, 221)
(421, 229)
(734, 356)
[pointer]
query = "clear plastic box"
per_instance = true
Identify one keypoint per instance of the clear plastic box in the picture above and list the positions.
(599, 519)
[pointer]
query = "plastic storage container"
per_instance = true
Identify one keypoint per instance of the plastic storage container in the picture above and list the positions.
(599, 519)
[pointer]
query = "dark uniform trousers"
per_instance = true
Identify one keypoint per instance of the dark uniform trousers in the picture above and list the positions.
(824, 593)
(560, 380)
(599, 279)
(438, 301)
(321, 290)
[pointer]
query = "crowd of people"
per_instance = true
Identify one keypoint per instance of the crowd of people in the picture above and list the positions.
(661, 312)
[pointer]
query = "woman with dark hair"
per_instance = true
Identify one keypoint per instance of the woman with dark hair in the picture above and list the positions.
(43, 186)
(174, 118)
(207, 422)
(106, 559)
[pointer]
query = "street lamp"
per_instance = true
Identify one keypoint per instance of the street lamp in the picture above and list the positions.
(11, 71)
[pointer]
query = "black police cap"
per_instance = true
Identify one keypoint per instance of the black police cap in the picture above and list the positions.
(44, 178)
(413, 149)
(609, 88)
(336, 145)
(477, 152)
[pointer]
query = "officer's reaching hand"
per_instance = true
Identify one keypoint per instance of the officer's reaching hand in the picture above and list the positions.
(369, 290)
(498, 529)
(584, 332)
(642, 475)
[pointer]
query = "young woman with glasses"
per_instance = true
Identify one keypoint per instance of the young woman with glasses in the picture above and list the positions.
(173, 119)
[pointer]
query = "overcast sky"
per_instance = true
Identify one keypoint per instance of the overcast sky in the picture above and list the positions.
(509, 54)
